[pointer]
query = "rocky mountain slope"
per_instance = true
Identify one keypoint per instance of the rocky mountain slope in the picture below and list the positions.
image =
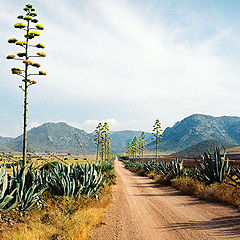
(197, 128)
(59, 137)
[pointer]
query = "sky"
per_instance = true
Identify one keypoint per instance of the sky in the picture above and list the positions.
(127, 62)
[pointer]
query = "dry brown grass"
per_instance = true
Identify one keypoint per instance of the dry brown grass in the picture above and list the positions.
(63, 218)
(217, 192)
(151, 175)
(189, 185)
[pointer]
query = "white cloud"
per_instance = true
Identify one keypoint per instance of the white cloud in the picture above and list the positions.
(137, 69)
(91, 124)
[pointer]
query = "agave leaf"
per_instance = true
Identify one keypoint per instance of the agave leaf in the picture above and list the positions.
(2, 171)
(5, 185)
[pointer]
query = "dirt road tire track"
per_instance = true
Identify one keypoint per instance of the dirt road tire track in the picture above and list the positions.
(142, 209)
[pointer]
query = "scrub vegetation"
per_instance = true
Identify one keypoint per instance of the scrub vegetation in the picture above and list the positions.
(214, 178)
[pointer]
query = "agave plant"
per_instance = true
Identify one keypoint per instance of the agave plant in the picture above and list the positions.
(21, 190)
(6, 190)
(75, 180)
(29, 190)
(234, 176)
(213, 168)
(176, 169)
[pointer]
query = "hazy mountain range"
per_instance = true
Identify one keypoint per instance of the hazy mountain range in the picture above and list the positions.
(197, 128)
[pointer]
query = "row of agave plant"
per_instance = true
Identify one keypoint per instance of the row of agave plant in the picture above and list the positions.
(23, 189)
(169, 170)
(210, 168)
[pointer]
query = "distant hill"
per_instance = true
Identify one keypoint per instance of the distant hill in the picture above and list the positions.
(200, 148)
(3, 142)
(121, 138)
(55, 137)
(59, 137)
(197, 128)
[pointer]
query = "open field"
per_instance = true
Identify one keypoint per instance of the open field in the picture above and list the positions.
(233, 154)
(39, 159)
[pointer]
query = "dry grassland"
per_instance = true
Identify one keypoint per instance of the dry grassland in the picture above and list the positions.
(62, 218)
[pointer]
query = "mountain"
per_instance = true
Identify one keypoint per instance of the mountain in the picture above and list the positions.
(200, 148)
(197, 128)
(120, 139)
(59, 137)
(3, 142)
(55, 137)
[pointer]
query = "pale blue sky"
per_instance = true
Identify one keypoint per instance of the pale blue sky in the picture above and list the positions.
(127, 62)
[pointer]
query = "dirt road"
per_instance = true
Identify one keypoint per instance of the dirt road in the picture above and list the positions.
(141, 209)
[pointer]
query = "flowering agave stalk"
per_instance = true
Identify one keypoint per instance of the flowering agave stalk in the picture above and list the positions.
(97, 138)
(30, 27)
(134, 148)
(142, 144)
(102, 140)
(157, 134)
(128, 150)
(106, 140)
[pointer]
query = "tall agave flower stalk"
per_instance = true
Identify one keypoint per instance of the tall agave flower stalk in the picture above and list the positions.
(106, 140)
(157, 134)
(31, 29)
(97, 139)
(142, 144)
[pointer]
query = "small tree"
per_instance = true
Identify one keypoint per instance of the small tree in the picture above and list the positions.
(30, 33)
(157, 134)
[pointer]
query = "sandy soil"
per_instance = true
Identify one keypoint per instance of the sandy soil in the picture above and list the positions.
(142, 209)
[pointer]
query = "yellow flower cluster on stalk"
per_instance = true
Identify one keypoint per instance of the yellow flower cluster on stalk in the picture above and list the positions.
(41, 54)
(103, 141)
(10, 56)
(16, 71)
(40, 45)
(30, 12)
(12, 40)
(21, 43)
(157, 134)
(21, 54)
(31, 30)
(28, 62)
(39, 26)
(42, 73)
(29, 80)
